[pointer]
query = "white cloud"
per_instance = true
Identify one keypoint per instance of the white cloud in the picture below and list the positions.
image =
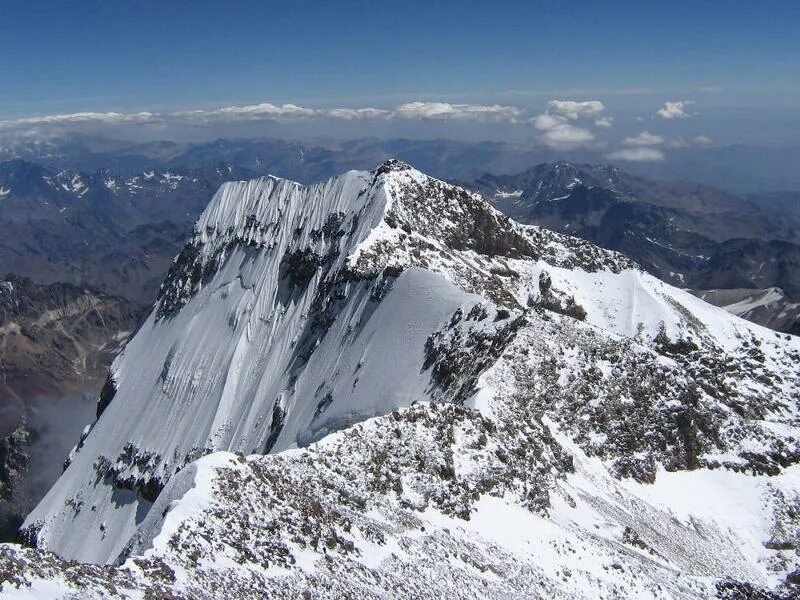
(410, 110)
(264, 111)
(267, 111)
(464, 112)
(567, 136)
(648, 140)
(576, 110)
(559, 132)
(283, 112)
(674, 110)
(637, 154)
(547, 121)
(83, 117)
(645, 138)
(358, 114)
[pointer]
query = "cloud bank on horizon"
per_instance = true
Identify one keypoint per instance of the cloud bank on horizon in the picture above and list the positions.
(563, 125)
(274, 112)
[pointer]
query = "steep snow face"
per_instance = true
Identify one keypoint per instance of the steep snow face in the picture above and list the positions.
(547, 370)
(278, 323)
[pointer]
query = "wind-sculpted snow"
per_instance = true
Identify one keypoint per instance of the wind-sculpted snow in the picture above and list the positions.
(537, 410)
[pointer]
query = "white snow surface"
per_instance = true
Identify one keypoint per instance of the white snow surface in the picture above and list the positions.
(761, 298)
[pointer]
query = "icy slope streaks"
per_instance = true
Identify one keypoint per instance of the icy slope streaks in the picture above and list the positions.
(564, 403)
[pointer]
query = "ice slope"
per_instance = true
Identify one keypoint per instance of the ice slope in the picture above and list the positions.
(296, 311)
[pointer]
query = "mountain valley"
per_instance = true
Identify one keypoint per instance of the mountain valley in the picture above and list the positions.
(56, 342)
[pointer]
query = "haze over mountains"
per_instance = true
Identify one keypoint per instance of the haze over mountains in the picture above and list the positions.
(742, 169)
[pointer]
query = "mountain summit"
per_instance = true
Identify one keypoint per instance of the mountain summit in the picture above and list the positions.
(435, 399)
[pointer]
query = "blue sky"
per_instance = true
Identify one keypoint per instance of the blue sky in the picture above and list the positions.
(738, 61)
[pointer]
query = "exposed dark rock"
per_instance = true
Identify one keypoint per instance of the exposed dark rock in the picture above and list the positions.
(276, 426)
(299, 267)
(106, 395)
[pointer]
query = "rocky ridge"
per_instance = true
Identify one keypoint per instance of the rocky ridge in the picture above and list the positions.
(688, 235)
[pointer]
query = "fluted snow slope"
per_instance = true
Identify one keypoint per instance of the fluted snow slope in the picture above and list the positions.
(256, 361)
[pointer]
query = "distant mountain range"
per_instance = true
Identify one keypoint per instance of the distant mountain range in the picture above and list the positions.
(118, 231)
(741, 168)
(306, 162)
(117, 234)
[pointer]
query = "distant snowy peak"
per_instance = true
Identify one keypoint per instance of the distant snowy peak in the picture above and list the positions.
(20, 178)
(27, 179)
(72, 182)
(770, 307)
(549, 182)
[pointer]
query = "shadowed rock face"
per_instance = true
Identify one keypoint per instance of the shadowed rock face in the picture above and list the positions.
(32, 457)
(14, 462)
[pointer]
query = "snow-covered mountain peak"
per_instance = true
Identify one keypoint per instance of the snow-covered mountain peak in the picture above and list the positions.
(502, 366)
(393, 217)
(392, 165)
